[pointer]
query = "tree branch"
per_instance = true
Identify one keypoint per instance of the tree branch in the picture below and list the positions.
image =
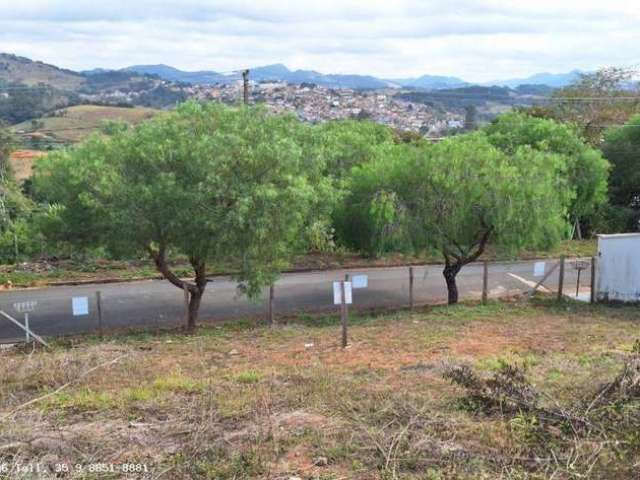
(159, 258)
(482, 244)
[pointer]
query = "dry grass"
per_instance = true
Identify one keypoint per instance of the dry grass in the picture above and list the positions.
(76, 123)
(242, 401)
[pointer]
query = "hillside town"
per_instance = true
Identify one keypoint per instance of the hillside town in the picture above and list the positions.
(313, 103)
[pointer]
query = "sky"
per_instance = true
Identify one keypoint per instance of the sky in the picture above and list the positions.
(478, 41)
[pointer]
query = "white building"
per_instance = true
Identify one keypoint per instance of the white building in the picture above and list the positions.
(618, 276)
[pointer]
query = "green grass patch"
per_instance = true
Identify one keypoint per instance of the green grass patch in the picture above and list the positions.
(248, 377)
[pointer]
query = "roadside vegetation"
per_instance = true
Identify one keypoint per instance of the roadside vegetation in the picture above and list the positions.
(208, 189)
(509, 390)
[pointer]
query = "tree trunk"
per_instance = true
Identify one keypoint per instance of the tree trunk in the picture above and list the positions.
(196, 289)
(195, 297)
(450, 271)
(578, 229)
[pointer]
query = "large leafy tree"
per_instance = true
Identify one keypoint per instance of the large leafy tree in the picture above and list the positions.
(586, 169)
(595, 102)
(458, 196)
(205, 181)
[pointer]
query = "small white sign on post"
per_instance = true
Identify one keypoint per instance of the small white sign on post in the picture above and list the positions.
(80, 306)
(25, 307)
(337, 293)
(360, 281)
(538, 269)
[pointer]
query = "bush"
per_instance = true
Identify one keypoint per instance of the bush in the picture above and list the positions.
(615, 219)
(371, 218)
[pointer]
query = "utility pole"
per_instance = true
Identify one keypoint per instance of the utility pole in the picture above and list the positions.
(245, 86)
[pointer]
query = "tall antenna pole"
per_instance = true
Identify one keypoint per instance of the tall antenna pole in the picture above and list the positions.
(245, 85)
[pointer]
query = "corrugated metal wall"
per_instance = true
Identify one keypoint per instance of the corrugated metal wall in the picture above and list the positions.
(619, 267)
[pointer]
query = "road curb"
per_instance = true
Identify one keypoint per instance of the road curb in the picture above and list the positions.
(105, 281)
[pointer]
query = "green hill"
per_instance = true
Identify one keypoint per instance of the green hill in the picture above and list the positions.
(14, 69)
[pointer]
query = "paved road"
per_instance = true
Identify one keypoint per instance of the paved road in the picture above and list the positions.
(156, 303)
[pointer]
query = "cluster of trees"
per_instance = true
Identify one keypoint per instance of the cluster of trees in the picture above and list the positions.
(245, 187)
(15, 207)
(603, 107)
(622, 147)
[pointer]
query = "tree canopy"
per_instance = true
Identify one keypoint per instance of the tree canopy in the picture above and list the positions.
(209, 182)
(346, 143)
(457, 196)
(586, 169)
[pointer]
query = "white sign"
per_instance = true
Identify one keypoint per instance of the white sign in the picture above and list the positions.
(80, 306)
(360, 281)
(538, 269)
(25, 307)
(337, 293)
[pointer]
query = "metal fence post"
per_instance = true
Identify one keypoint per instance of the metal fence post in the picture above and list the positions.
(26, 327)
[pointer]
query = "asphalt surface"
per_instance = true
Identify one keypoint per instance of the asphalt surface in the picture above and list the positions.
(157, 304)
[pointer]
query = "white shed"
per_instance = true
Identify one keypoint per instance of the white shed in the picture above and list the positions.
(619, 267)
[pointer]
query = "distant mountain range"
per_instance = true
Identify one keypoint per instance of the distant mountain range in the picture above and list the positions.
(280, 72)
(23, 70)
(554, 80)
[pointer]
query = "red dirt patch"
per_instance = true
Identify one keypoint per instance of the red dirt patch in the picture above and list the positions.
(482, 340)
(22, 163)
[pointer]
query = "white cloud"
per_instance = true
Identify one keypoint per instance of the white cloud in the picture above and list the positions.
(476, 40)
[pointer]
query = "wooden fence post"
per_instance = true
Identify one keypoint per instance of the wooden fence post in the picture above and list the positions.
(561, 277)
(594, 292)
(99, 310)
(411, 288)
(185, 289)
(270, 307)
(485, 282)
(343, 314)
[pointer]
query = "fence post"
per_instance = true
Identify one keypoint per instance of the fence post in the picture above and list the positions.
(26, 327)
(561, 277)
(594, 263)
(99, 310)
(411, 288)
(270, 306)
(485, 282)
(186, 303)
(346, 279)
(343, 314)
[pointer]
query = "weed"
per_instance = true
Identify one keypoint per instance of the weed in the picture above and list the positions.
(248, 377)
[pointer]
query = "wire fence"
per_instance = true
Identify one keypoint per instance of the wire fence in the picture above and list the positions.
(156, 304)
